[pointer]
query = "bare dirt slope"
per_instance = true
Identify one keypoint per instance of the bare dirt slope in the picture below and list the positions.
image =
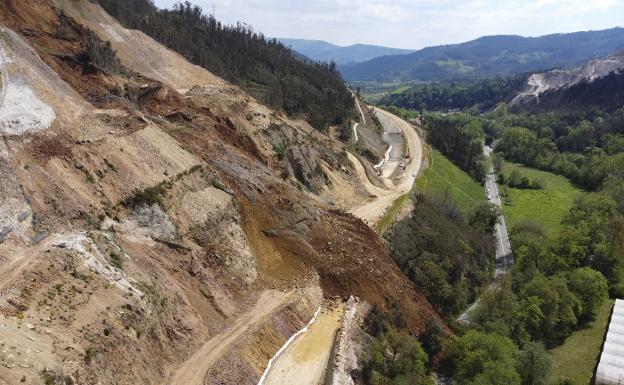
(137, 50)
(146, 226)
(539, 83)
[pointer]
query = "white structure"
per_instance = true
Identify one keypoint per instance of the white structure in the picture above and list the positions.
(611, 365)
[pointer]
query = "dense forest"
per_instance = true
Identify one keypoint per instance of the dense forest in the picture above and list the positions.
(587, 148)
(264, 68)
(445, 252)
(459, 137)
(482, 94)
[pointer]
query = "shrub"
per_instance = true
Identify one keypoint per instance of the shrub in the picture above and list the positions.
(116, 260)
(100, 55)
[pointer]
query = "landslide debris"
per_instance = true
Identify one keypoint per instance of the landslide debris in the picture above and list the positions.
(148, 224)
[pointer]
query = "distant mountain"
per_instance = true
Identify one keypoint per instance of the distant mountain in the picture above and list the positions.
(488, 56)
(323, 51)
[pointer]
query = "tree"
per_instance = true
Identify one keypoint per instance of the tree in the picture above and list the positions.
(396, 358)
(515, 179)
(495, 373)
(534, 364)
(478, 357)
(591, 287)
(485, 217)
(585, 239)
(560, 307)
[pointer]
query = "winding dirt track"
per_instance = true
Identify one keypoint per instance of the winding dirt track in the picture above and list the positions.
(193, 370)
(372, 211)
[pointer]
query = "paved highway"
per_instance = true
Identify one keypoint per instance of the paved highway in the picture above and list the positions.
(504, 257)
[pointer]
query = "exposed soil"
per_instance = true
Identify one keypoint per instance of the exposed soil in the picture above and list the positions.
(153, 234)
(305, 361)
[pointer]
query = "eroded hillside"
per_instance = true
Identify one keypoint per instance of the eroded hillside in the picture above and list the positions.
(157, 224)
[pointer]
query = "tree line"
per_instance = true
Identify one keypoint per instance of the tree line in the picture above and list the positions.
(262, 67)
(481, 94)
(459, 137)
(585, 147)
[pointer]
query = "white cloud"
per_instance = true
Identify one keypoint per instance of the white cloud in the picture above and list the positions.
(414, 23)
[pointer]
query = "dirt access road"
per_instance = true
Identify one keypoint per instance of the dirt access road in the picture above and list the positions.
(193, 370)
(373, 210)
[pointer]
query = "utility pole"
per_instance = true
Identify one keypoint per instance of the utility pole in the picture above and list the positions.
(214, 10)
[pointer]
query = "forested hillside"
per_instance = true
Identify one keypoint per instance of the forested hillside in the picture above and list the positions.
(489, 56)
(483, 94)
(459, 138)
(264, 68)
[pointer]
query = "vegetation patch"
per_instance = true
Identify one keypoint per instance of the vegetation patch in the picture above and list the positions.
(576, 359)
(388, 219)
(116, 260)
(443, 176)
(152, 195)
(459, 137)
(547, 206)
(446, 253)
(364, 151)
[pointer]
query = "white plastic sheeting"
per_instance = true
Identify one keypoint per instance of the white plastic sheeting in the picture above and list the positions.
(611, 366)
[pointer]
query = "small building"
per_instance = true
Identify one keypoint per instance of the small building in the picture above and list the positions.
(611, 366)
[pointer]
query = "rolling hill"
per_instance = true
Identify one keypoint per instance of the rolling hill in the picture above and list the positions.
(319, 50)
(489, 56)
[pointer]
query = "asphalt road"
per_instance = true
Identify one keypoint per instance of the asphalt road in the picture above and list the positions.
(504, 257)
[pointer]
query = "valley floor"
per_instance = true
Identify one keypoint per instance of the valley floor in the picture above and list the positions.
(546, 206)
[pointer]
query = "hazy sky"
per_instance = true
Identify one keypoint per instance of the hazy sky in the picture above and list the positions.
(415, 23)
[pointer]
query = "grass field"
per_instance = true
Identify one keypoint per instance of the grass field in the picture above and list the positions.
(547, 206)
(577, 357)
(442, 175)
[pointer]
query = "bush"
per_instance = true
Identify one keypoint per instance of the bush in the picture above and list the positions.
(116, 260)
(101, 55)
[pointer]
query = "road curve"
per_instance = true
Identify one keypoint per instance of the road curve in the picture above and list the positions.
(373, 210)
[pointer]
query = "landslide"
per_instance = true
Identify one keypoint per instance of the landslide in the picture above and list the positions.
(154, 220)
